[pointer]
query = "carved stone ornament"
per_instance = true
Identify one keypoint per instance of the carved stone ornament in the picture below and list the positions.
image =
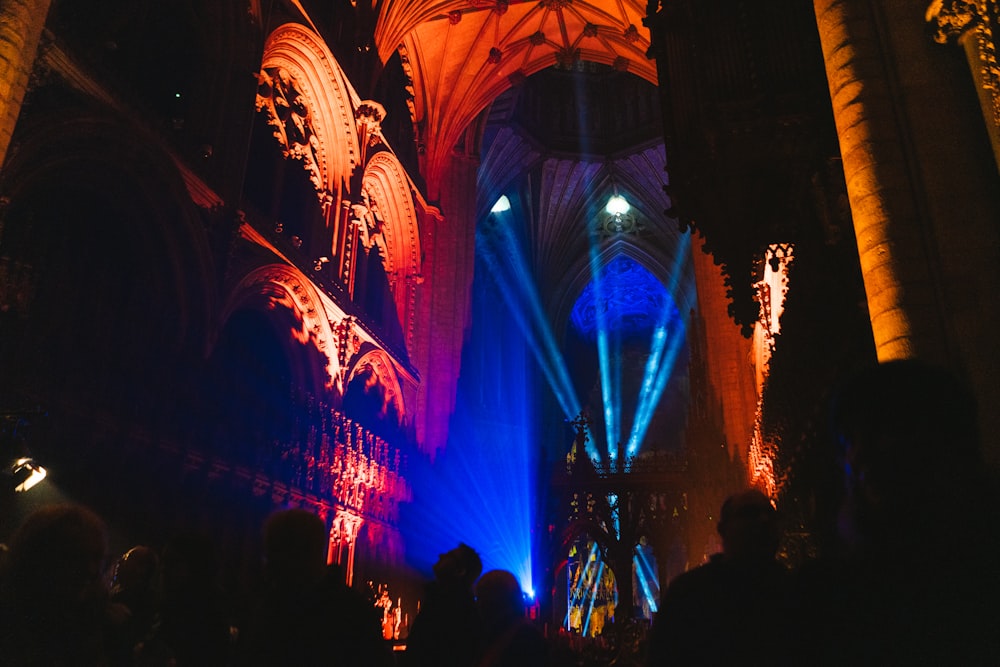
(280, 98)
(370, 114)
(348, 342)
(954, 18)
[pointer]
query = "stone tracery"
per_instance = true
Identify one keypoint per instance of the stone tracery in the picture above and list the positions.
(280, 96)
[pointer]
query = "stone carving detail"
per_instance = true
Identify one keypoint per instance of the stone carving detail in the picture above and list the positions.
(567, 57)
(279, 96)
(368, 118)
(952, 19)
(348, 344)
(367, 218)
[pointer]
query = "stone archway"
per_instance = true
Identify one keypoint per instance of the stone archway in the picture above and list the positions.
(310, 338)
(393, 215)
(310, 105)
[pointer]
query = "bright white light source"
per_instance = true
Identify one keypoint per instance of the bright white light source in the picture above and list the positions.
(503, 204)
(35, 474)
(617, 205)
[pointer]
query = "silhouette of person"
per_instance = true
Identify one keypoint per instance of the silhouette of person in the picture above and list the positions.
(445, 632)
(916, 581)
(135, 593)
(306, 614)
(735, 609)
(54, 605)
(508, 638)
(195, 620)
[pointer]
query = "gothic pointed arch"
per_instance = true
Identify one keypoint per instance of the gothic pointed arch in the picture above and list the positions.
(310, 341)
(395, 220)
(677, 279)
(309, 103)
(375, 367)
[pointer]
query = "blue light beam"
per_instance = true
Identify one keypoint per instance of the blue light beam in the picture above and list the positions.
(664, 347)
(508, 267)
(482, 494)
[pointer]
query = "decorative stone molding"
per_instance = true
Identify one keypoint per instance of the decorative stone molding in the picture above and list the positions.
(280, 97)
(348, 343)
(393, 226)
(382, 370)
(952, 18)
(328, 95)
(286, 286)
(368, 117)
(956, 20)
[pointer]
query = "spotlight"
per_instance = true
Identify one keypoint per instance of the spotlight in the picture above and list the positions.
(617, 205)
(503, 204)
(25, 474)
(19, 472)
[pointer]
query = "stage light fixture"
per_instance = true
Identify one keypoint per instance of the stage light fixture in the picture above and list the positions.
(25, 474)
(617, 205)
(502, 204)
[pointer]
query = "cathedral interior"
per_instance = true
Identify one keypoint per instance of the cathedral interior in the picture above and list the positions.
(547, 277)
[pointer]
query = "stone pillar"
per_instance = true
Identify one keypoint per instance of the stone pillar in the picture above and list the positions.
(887, 222)
(21, 24)
(444, 300)
(923, 187)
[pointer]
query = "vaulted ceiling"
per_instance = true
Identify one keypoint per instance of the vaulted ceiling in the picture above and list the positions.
(564, 103)
(461, 55)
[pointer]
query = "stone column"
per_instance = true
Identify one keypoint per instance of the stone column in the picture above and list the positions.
(887, 222)
(923, 187)
(444, 302)
(21, 24)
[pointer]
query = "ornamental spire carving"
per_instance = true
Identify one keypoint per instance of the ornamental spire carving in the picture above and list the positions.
(368, 120)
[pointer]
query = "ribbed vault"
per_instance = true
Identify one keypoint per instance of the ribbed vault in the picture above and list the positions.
(462, 54)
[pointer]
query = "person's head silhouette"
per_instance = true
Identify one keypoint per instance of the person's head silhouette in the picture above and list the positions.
(748, 526)
(460, 567)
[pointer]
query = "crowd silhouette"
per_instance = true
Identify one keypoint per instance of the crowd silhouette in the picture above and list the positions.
(737, 608)
(912, 579)
(446, 633)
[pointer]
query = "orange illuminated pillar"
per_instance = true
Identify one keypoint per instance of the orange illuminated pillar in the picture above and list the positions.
(922, 180)
(885, 202)
(21, 24)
